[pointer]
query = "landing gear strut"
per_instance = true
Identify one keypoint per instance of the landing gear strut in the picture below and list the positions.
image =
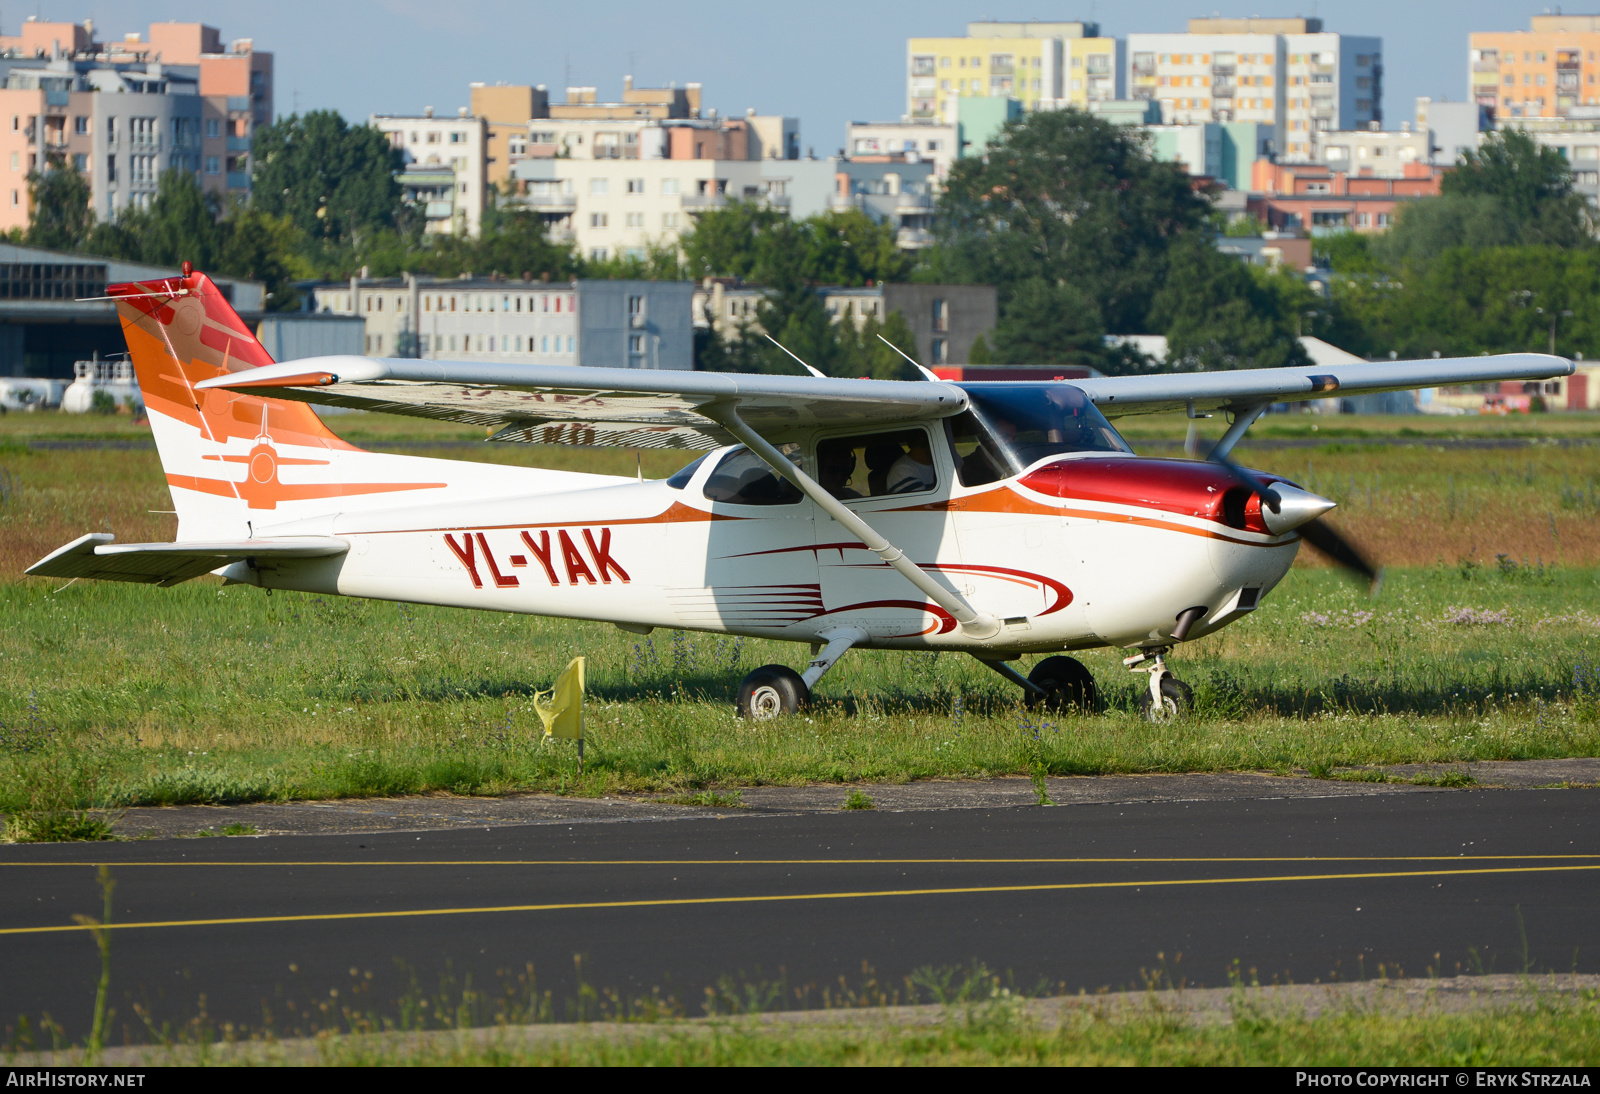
(1167, 698)
(1057, 684)
(773, 690)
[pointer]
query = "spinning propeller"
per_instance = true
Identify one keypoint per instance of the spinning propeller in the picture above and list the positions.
(1285, 507)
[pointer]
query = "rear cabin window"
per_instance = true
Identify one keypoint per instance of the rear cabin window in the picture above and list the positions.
(874, 464)
(743, 478)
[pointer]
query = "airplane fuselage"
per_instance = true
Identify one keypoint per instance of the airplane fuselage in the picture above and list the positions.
(1065, 556)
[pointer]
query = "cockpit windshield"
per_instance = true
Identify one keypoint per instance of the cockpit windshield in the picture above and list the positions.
(1009, 426)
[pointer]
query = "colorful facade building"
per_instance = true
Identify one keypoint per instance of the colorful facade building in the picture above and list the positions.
(1042, 65)
(1542, 72)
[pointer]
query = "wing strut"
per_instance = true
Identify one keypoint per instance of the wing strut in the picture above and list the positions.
(975, 624)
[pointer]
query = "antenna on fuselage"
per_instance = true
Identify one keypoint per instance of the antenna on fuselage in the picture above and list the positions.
(927, 374)
(802, 364)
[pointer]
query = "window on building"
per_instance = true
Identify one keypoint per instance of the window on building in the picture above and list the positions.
(213, 127)
(635, 220)
(572, 344)
(80, 162)
(213, 165)
(598, 254)
(941, 315)
(599, 187)
(597, 220)
(669, 187)
(80, 124)
(669, 220)
(635, 343)
(636, 186)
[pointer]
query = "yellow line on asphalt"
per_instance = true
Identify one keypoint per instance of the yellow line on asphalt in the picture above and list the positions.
(826, 861)
(782, 897)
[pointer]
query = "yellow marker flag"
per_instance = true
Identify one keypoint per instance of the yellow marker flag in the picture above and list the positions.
(562, 713)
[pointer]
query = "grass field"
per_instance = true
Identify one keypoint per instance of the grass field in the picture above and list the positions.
(1485, 643)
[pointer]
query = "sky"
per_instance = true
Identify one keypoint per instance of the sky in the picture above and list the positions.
(827, 62)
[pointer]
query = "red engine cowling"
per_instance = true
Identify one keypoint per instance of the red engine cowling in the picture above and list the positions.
(1190, 487)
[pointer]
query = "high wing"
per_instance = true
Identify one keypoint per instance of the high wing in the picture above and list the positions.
(544, 404)
(95, 556)
(1121, 395)
(631, 408)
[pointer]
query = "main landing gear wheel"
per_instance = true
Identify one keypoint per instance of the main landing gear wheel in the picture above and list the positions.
(1177, 700)
(1068, 687)
(770, 691)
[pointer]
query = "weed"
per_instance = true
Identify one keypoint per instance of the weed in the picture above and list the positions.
(99, 930)
(858, 800)
(73, 825)
(1040, 790)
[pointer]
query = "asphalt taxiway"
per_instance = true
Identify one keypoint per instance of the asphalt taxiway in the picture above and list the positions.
(290, 930)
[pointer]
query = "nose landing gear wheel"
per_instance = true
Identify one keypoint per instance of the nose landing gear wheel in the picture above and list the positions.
(1068, 687)
(1177, 700)
(770, 691)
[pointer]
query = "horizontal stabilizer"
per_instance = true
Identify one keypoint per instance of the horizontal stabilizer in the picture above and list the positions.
(96, 556)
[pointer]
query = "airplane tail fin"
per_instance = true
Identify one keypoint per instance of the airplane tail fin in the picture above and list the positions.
(222, 451)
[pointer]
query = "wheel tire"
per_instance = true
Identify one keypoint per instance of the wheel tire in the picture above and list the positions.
(1177, 700)
(771, 691)
(1069, 687)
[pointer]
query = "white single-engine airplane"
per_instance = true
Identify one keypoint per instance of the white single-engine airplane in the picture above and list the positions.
(998, 519)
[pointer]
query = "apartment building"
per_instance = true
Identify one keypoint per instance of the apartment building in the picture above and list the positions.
(1287, 73)
(1041, 65)
(122, 112)
(1377, 153)
(944, 319)
(612, 208)
(446, 168)
(905, 142)
(1295, 198)
(900, 194)
(1542, 72)
(612, 324)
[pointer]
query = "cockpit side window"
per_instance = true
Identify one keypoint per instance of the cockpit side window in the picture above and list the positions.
(743, 478)
(1009, 426)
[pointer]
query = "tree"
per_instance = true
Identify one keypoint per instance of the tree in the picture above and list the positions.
(847, 247)
(1048, 323)
(1532, 183)
(1511, 192)
(731, 241)
(1065, 199)
(332, 179)
(181, 224)
(1216, 315)
(262, 247)
(61, 219)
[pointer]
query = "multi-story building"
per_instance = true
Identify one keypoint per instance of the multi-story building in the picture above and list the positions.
(1542, 72)
(1457, 127)
(446, 166)
(123, 112)
(1379, 153)
(1576, 136)
(1313, 197)
(1041, 65)
(945, 320)
(905, 142)
(899, 194)
(486, 146)
(613, 324)
(1287, 73)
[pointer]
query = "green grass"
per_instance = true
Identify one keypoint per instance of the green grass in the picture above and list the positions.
(858, 800)
(118, 695)
(1485, 644)
(1551, 1034)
